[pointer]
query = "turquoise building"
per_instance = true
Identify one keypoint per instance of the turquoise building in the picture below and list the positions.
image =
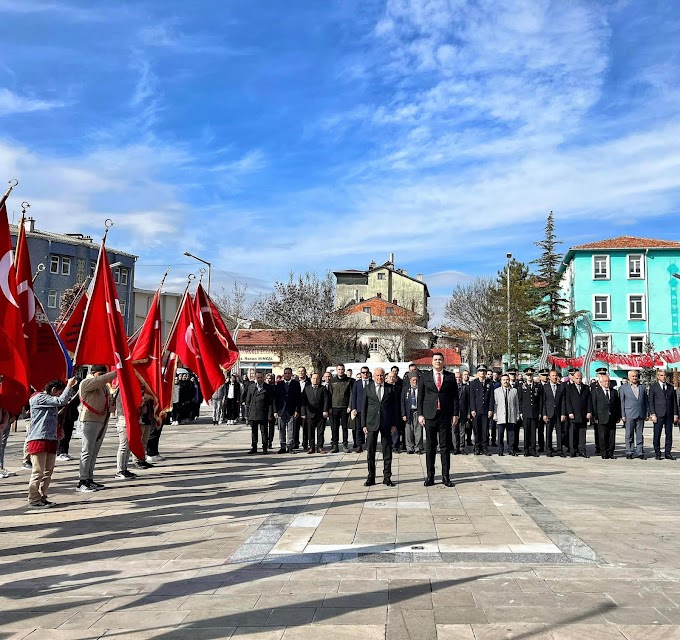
(628, 288)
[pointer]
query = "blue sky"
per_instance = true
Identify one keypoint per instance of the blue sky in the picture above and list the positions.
(271, 137)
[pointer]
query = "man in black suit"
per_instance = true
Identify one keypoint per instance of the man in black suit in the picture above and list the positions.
(464, 413)
(553, 412)
(438, 411)
(481, 409)
(286, 407)
(663, 409)
(303, 381)
(530, 405)
(379, 415)
(515, 384)
(315, 404)
(260, 403)
(607, 412)
(579, 407)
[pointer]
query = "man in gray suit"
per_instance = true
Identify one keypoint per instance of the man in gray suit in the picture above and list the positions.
(506, 412)
(633, 413)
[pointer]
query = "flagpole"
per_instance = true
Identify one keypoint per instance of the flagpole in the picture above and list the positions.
(190, 277)
(12, 183)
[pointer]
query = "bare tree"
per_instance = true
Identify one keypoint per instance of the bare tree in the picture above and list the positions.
(304, 309)
(234, 304)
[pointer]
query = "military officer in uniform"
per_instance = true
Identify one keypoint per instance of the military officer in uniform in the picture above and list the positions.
(540, 429)
(599, 372)
(530, 400)
(481, 409)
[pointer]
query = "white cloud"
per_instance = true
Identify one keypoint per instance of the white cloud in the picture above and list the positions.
(12, 103)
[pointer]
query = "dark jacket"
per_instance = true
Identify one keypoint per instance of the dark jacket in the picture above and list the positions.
(606, 412)
(579, 404)
(406, 403)
(340, 389)
(428, 396)
(380, 416)
(530, 400)
(481, 396)
(237, 391)
(356, 401)
(314, 403)
(260, 403)
(660, 404)
(287, 399)
(553, 405)
(464, 400)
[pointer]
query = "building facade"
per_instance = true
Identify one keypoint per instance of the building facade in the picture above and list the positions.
(627, 288)
(68, 260)
(262, 350)
(142, 303)
(393, 285)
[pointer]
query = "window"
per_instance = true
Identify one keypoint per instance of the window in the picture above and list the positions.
(637, 344)
(381, 275)
(601, 267)
(636, 307)
(602, 342)
(373, 344)
(54, 264)
(52, 300)
(121, 304)
(116, 275)
(389, 311)
(93, 266)
(366, 309)
(123, 276)
(635, 266)
(601, 308)
(66, 266)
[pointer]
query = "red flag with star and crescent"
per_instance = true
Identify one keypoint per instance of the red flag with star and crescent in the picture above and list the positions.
(147, 352)
(103, 341)
(14, 388)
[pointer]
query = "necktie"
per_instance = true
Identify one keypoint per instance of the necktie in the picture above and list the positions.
(606, 391)
(506, 406)
(663, 386)
(365, 383)
(414, 399)
(439, 386)
(380, 392)
(578, 388)
(553, 386)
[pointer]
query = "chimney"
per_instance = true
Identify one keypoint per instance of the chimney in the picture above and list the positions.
(379, 294)
(419, 276)
(371, 265)
(30, 228)
(392, 258)
(394, 302)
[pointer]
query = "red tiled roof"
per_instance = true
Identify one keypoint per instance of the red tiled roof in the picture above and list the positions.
(424, 357)
(256, 337)
(629, 242)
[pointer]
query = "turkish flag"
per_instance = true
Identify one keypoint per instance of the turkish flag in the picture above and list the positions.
(147, 352)
(26, 297)
(183, 340)
(222, 331)
(14, 388)
(69, 329)
(168, 382)
(103, 341)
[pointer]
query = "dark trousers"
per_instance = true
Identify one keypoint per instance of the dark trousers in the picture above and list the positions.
(458, 434)
(468, 431)
(530, 426)
(359, 439)
(502, 428)
(438, 430)
(515, 440)
(339, 418)
(567, 443)
(607, 439)
(555, 426)
(231, 409)
(596, 429)
(154, 439)
(663, 423)
(481, 428)
(314, 429)
(540, 434)
(493, 425)
(577, 436)
(386, 445)
(271, 430)
(262, 427)
(301, 426)
(66, 440)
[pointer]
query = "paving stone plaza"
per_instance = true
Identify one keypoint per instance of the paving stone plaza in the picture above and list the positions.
(213, 543)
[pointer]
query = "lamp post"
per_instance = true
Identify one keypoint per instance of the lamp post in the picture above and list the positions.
(508, 256)
(191, 255)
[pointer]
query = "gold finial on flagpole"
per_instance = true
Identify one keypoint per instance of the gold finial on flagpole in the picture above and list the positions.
(39, 270)
(12, 183)
(108, 223)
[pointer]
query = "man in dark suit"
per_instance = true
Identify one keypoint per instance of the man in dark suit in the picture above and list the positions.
(260, 403)
(530, 404)
(356, 403)
(579, 408)
(438, 411)
(413, 431)
(663, 409)
(481, 409)
(286, 406)
(315, 404)
(607, 412)
(553, 412)
(464, 413)
(379, 415)
(516, 384)
(303, 381)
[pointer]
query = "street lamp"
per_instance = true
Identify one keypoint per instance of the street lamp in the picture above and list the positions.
(508, 256)
(191, 255)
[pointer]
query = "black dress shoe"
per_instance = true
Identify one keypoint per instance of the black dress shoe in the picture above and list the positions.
(429, 482)
(562, 454)
(584, 455)
(487, 453)
(641, 457)
(574, 454)
(526, 454)
(604, 457)
(628, 456)
(447, 483)
(657, 456)
(550, 454)
(535, 454)
(369, 483)
(252, 452)
(500, 453)
(669, 456)
(388, 483)
(513, 453)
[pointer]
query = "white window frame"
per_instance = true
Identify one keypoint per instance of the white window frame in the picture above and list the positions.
(93, 268)
(121, 305)
(630, 343)
(372, 341)
(608, 267)
(389, 311)
(123, 276)
(642, 307)
(116, 275)
(367, 310)
(52, 299)
(65, 266)
(54, 264)
(642, 266)
(382, 275)
(602, 337)
(609, 306)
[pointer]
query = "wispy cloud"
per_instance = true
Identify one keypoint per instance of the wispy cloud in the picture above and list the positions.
(12, 103)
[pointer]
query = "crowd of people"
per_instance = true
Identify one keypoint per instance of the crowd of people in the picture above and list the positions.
(422, 412)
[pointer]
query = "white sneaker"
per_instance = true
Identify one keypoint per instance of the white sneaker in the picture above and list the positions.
(6, 474)
(154, 458)
(174, 423)
(64, 456)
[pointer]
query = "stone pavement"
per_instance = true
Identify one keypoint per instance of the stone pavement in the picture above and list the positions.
(213, 543)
